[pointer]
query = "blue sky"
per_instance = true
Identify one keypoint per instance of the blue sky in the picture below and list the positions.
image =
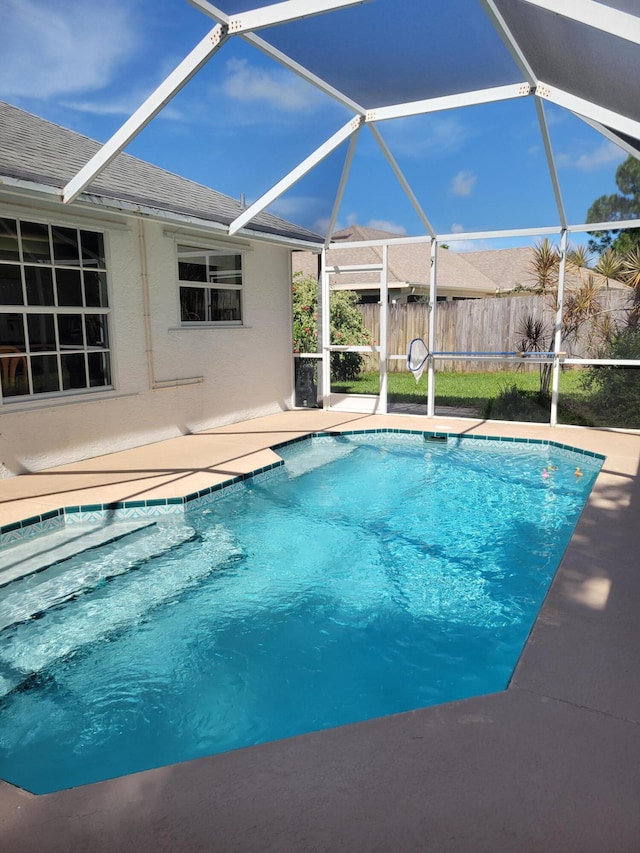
(243, 122)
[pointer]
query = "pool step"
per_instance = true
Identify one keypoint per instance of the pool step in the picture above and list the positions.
(306, 458)
(38, 552)
(124, 585)
(83, 563)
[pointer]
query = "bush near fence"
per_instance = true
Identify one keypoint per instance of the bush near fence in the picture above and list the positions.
(479, 325)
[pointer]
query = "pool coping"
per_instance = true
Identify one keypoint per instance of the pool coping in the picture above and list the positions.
(54, 519)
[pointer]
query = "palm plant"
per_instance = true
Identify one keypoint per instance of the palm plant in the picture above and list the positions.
(609, 265)
(631, 276)
(534, 337)
(544, 264)
(579, 257)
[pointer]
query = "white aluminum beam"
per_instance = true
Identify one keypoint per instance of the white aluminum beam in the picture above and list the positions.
(384, 336)
(606, 226)
(588, 109)
(553, 172)
(612, 136)
(494, 235)
(450, 102)
(557, 335)
(337, 204)
(509, 40)
(178, 78)
(296, 174)
(620, 24)
(392, 241)
(288, 10)
(338, 269)
(433, 307)
(222, 18)
(403, 181)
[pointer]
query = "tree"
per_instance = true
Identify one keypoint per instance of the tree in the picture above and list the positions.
(612, 208)
(346, 324)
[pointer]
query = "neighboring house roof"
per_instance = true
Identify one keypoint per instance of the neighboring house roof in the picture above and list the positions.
(513, 268)
(483, 273)
(409, 264)
(40, 152)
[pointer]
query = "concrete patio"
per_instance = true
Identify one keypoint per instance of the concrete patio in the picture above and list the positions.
(551, 764)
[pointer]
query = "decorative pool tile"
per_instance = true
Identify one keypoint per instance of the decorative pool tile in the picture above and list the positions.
(157, 507)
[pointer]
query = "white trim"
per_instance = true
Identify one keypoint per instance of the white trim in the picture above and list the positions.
(214, 243)
(39, 209)
(296, 174)
(601, 17)
(169, 87)
(61, 398)
(609, 118)
(450, 102)
(288, 10)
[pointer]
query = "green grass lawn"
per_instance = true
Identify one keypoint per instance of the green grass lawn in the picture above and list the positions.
(491, 394)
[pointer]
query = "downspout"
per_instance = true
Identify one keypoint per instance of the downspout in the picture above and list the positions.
(154, 385)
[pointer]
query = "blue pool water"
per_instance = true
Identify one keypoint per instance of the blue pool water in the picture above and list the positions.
(369, 575)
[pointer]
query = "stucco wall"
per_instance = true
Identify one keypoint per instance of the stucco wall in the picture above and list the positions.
(246, 372)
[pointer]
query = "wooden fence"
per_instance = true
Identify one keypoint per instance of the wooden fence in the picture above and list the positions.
(482, 325)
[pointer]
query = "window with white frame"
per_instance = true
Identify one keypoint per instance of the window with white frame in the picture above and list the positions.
(54, 310)
(210, 286)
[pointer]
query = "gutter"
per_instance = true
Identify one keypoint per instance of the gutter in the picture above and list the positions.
(90, 200)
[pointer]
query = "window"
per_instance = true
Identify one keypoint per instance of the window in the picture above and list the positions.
(54, 310)
(210, 286)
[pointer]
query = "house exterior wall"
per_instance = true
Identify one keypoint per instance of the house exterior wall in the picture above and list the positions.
(245, 371)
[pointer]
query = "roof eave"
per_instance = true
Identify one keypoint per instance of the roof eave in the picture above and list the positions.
(94, 201)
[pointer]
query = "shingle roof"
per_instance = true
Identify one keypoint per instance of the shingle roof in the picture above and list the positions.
(511, 268)
(483, 273)
(35, 150)
(409, 263)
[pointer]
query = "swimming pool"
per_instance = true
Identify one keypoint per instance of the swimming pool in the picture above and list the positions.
(371, 574)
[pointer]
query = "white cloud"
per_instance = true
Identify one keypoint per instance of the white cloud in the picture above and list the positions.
(122, 106)
(421, 136)
(278, 89)
(605, 154)
(463, 183)
(63, 47)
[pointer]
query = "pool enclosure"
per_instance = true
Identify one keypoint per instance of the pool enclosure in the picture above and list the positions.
(390, 87)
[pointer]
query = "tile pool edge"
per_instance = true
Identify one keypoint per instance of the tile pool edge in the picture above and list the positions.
(158, 507)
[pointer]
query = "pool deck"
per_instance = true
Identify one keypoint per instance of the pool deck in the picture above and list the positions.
(551, 764)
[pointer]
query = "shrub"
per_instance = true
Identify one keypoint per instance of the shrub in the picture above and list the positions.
(347, 327)
(617, 389)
